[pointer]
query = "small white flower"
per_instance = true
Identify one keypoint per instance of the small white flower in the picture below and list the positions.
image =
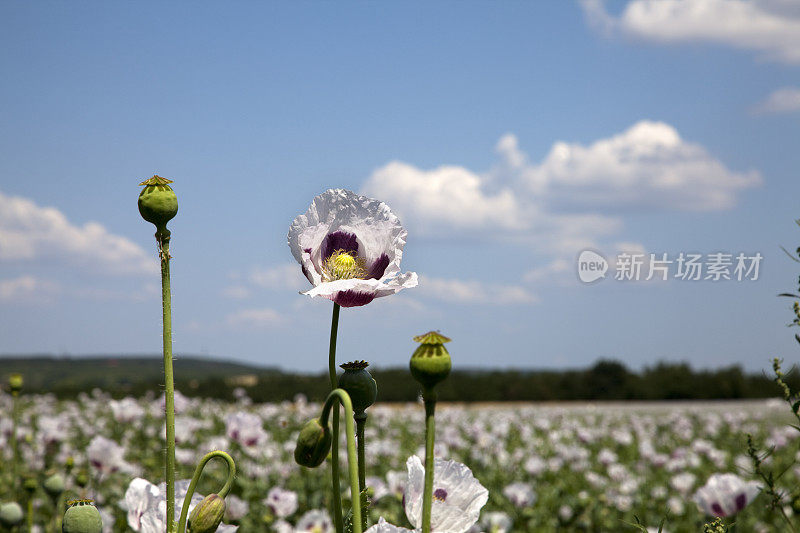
(245, 428)
(126, 410)
(349, 247)
(314, 521)
(725, 494)
(282, 502)
(520, 494)
(106, 455)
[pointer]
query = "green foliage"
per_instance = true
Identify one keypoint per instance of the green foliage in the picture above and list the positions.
(198, 377)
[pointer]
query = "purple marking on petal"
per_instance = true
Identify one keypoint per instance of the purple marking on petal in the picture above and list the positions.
(717, 509)
(351, 298)
(741, 501)
(338, 240)
(440, 494)
(378, 267)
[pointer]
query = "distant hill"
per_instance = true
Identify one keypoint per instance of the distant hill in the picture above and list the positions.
(47, 372)
(198, 376)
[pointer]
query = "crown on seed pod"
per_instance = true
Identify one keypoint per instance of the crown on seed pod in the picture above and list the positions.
(430, 363)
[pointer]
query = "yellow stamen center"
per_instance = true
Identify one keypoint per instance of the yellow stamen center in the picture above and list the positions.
(343, 265)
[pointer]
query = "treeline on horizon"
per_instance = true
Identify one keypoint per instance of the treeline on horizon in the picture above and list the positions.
(605, 380)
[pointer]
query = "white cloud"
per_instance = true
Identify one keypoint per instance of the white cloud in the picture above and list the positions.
(30, 232)
(474, 292)
(554, 204)
(784, 100)
(647, 166)
(288, 275)
(554, 270)
(771, 27)
(237, 292)
(448, 195)
(27, 289)
(254, 318)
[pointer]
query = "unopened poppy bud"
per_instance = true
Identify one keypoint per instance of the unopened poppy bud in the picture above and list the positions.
(82, 517)
(158, 203)
(313, 444)
(54, 485)
(430, 363)
(207, 515)
(359, 385)
(10, 514)
(15, 383)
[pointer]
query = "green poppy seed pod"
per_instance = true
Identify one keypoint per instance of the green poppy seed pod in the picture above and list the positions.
(82, 517)
(313, 444)
(15, 382)
(54, 485)
(430, 363)
(30, 485)
(158, 203)
(207, 515)
(10, 514)
(82, 478)
(360, 385)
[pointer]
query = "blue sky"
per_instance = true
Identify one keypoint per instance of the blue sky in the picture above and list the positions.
(507, 136)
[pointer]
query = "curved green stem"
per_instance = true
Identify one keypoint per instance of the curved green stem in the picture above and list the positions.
(352, 464)
(196, 477)
(169, 387)
(430, 436)
(336, 493)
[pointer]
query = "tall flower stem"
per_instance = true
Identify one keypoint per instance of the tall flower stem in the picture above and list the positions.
(355, 494)
(14, 443)
(362, 469)
(222, 493)
(30, 514)
(169, 387)
(336, 494)
(430, 436)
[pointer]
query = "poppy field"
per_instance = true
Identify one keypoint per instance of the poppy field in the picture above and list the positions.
(566, 467)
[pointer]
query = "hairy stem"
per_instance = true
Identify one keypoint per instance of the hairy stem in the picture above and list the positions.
(169, 387)
(430, 436)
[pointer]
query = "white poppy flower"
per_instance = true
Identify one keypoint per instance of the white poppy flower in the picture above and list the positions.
(349, 247)
(457, 498)
(725, 495)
